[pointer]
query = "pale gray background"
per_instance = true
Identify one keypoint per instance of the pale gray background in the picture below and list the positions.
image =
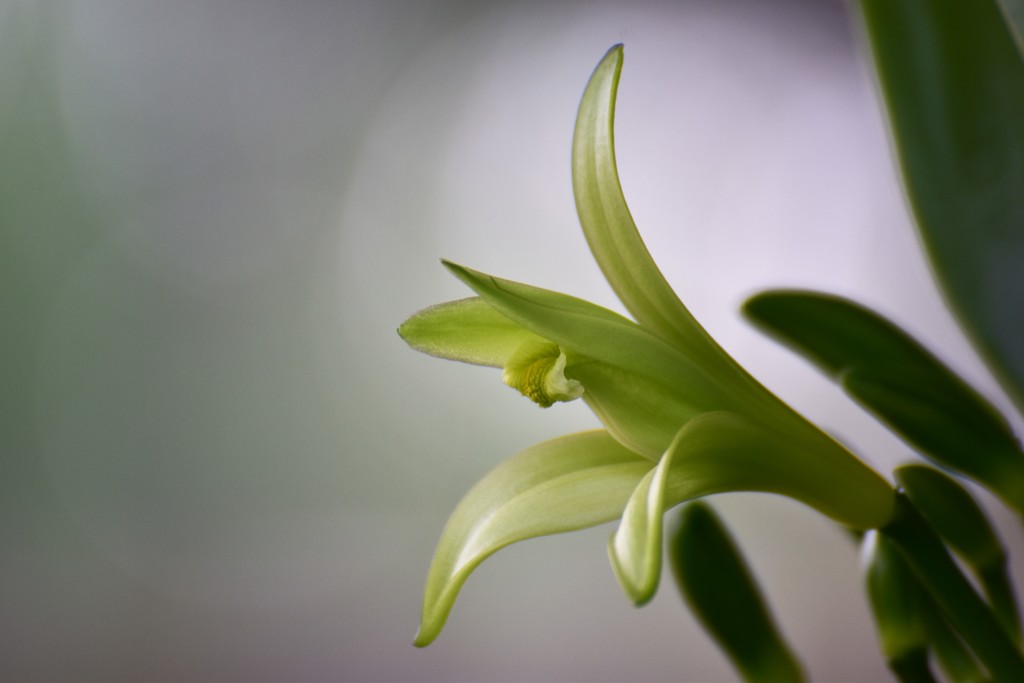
(219, 461)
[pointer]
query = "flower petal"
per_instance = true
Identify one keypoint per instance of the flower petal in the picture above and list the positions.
(721, 452)
(635, 547)
(596, 333)
(609, 228)
(570, 483)
(467, 330)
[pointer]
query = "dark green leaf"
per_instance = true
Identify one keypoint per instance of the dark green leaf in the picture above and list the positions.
(903, 384)
(715, 580)
(956, 517)
(953, 82)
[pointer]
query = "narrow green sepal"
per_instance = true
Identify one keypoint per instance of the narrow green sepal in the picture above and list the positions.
(467, 330)
(565, 484)
(608, 225)
(723, 594)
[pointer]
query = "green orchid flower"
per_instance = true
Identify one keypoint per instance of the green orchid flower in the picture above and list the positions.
(681, 419)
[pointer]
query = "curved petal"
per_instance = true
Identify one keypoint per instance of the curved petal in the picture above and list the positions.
(635, 547)
(467, 330)
(723, 452)
(570, 483)
(609, 228)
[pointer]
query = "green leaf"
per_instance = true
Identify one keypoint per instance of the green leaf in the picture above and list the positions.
(953, 82)
(899, 605)
(1013, 12)
(467, 330)
(609, 228)
(569, 483)
(904, 385)
(956, 517)
(723, 594)
(960, 604)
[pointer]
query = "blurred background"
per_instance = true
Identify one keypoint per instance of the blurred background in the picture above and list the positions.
(218, 462)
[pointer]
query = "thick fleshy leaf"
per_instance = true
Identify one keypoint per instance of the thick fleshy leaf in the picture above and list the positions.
(957, 518)
(898, 603)
(635, 547)
(723, 594)
(467, 330)
(958, 600)
(609, 228)
(584, 329)
(569, 483)
(893, 376)
(723, 452)
(953, 82)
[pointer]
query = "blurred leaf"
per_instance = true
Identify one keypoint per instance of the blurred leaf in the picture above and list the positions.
(569, 483)
(898, 603)
(609, 228)
(903, 384)
(467, 330)
(1013, 12)
(715, 580)
(956, 517)
(958, 600)
(953, 81)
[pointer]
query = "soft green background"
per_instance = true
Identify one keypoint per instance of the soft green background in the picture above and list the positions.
(219, 462)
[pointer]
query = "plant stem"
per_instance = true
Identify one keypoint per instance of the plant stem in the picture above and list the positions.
(964, 609)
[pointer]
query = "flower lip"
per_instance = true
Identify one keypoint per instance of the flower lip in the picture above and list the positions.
(537, 371)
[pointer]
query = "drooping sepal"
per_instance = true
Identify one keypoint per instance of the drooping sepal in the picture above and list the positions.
(565, 484)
